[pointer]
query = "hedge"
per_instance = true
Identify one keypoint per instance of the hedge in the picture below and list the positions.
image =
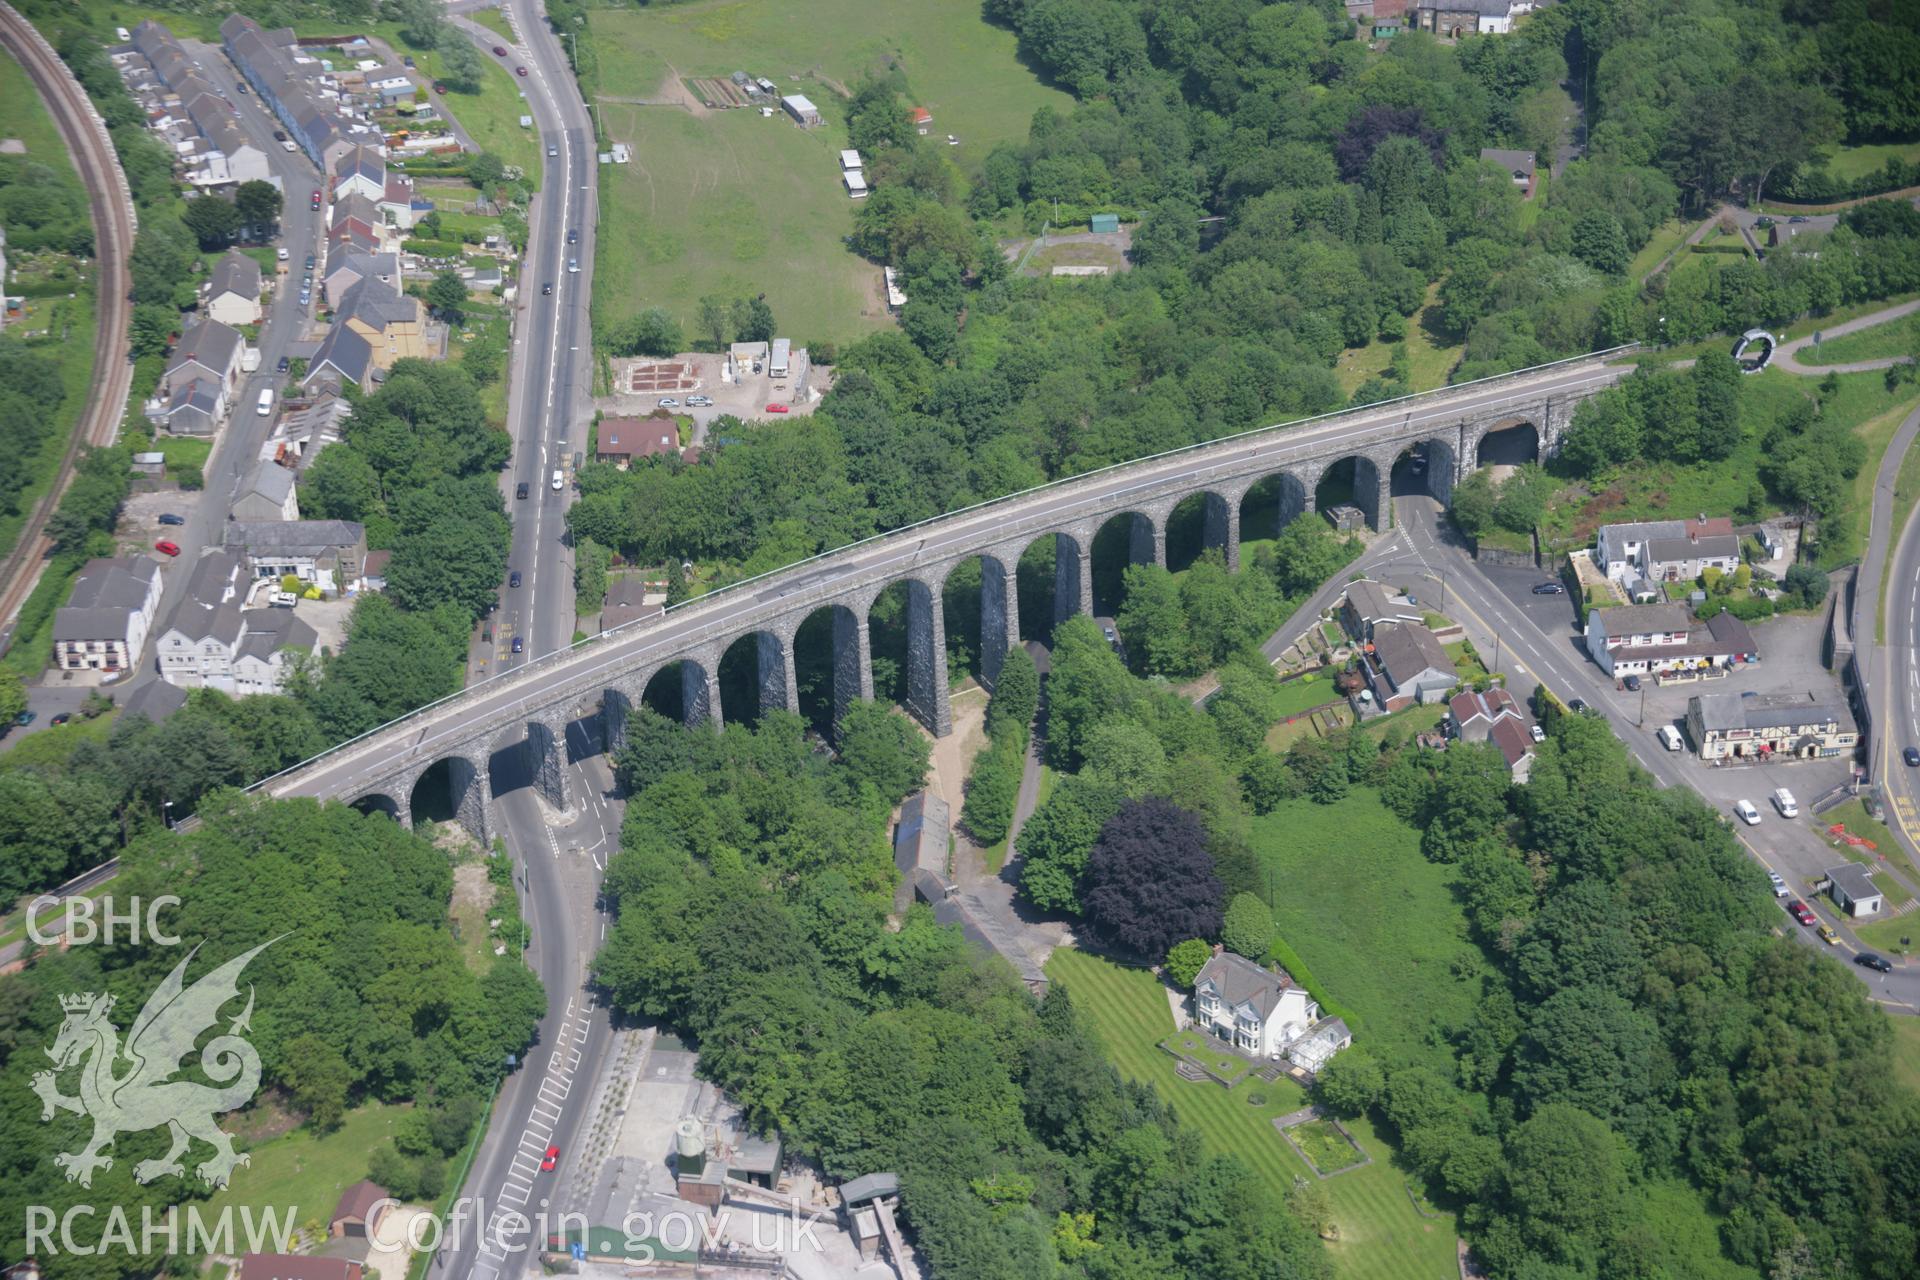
(433, 248)
(1717, 248)
(1290, 961)
(1817, 186)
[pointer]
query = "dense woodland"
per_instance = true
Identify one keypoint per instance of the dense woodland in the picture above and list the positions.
(1644, 1023)
(752, 887)
(363, 995)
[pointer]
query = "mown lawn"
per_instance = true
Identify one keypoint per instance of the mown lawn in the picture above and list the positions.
(299, 1176)
(491, 116)
(1858, 162)
(1296, 697)
(1381, 1236)
(1397, 954)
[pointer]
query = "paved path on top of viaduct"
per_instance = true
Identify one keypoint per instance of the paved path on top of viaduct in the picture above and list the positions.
(609, 674)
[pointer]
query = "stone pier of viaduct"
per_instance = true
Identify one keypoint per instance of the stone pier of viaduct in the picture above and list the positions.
(591, 689)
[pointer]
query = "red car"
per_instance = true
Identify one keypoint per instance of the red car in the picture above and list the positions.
(553, 1158)
(776, 408)
(439, 88)
(316, 199)
(499, 51)
(166, 548)
(1800, 911)
(520, 71)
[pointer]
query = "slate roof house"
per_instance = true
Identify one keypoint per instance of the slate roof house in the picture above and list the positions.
(1769, 726)
(103, 626)
(269, 495)
(1408, 665)
(237, 651)
(202, 373)
(327, 553)
(1656, 639)
(233, 290)
(1517, 163)
(1262, 1012)
(344, 356)
(1641, 554)
(1369, 605)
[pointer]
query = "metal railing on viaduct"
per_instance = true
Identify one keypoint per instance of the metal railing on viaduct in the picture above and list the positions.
(607, 676)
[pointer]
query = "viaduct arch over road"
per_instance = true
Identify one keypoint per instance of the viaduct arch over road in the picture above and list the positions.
(603, 679)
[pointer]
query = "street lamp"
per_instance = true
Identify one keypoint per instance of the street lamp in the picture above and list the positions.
(166, 812)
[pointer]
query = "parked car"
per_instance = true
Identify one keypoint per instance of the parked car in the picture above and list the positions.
(519, 644)
(1535, 732)
(1912, 756)
(1779, 885)
(1802, 912)
(308, 264)
(1577, 705)
(776, 407)
(1868, 960)
(62, 718)
(315, 200)
(407, 61)
(552, 1159)
(26, 718)
(281, 254)
(166, 548)
(1632, 684)
(284, 365)
(279, 135)
(668, 402)
(559, 480)
(499, 51)
(1828, 935)
(513, 579)
(520, 71)
(699, 402)
(1549, 589)
(1748, 814)
(167, 517)
(1798, 217)
(439, 88)
(520, 490)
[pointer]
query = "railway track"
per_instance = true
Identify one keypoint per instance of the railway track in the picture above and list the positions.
(110, 205)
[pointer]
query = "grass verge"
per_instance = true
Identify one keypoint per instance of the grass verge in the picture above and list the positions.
(301, 1175)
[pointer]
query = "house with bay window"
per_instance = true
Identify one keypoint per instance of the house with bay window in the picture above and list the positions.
(1257, 1011)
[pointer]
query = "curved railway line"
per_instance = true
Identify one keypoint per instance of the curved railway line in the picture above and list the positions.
(110, 205)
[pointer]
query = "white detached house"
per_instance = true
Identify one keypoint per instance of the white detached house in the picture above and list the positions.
(1258, 1011)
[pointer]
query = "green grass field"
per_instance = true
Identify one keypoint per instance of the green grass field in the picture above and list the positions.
(1381, 1236)
(730, 203)
(1397, 955)
(299, 1174)
(735, 205)
(1906, 1051)
(1858, 162)
(27, 120)
(1666, 237)
(1878, 342)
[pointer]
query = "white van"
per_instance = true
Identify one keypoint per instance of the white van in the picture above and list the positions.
(1748, 814)
(559, 482)
(265, 406)
(1783, 801)
(1670, 737)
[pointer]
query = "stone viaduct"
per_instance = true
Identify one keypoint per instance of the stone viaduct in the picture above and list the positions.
(593, 687)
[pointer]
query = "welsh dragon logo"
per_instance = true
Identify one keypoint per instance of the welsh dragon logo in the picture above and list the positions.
(145, 1096)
